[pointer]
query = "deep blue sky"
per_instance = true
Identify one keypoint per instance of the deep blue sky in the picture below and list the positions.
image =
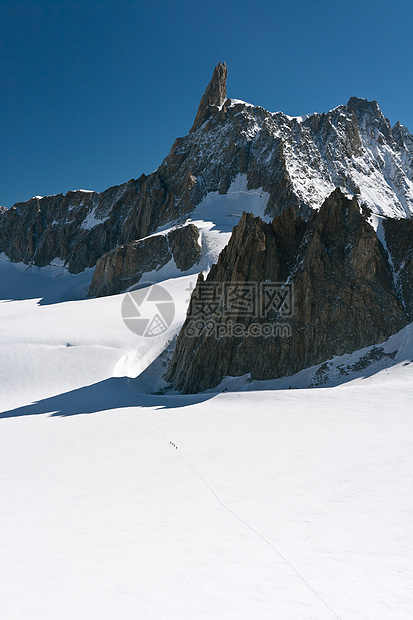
(94, 93)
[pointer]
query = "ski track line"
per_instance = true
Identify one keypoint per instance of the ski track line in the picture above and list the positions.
(245, 523)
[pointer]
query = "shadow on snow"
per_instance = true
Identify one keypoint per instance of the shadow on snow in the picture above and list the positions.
(110, 394)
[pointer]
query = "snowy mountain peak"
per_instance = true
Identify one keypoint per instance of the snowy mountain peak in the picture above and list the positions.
(352, 146)
(361, 104)
(296, 161)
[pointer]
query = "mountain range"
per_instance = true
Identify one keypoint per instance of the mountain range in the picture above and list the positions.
(331, 197)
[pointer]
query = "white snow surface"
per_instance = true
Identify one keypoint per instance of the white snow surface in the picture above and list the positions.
(271, 503)
(92, 220)
(240, 101)
(217, 215)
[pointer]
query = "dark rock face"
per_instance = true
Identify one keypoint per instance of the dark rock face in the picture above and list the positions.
(118, 270)
(184, 243)
(78, 227)
(123, 267)
(399, 241)
(343, 291)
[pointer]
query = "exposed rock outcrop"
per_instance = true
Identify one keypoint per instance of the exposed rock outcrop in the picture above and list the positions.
(185, 246)
(118, 270)
(214, 96)
(343, 296)
(78, 227)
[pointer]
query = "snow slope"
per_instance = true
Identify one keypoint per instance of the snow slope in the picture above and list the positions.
(215, 217)
(286, 504)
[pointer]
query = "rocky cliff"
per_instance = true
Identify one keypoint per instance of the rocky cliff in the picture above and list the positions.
(293, 293)
(297, 161)
(124, 266)
(399, 243)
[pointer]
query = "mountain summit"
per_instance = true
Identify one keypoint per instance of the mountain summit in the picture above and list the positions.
(214, 96)
(292, 162)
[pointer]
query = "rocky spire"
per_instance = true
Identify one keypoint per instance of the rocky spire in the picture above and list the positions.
(214, 96)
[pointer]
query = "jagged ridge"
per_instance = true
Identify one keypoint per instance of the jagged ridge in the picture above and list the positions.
(298, 161)
(343, 293)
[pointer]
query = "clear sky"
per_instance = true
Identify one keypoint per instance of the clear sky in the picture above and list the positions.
(94, 93)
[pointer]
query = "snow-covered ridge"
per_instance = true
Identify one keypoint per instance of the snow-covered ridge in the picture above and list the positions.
(296, 161)
(352, 147)
(299, 119)
(239, 101)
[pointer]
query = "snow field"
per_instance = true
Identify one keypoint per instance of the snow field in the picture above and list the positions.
(117, 503)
